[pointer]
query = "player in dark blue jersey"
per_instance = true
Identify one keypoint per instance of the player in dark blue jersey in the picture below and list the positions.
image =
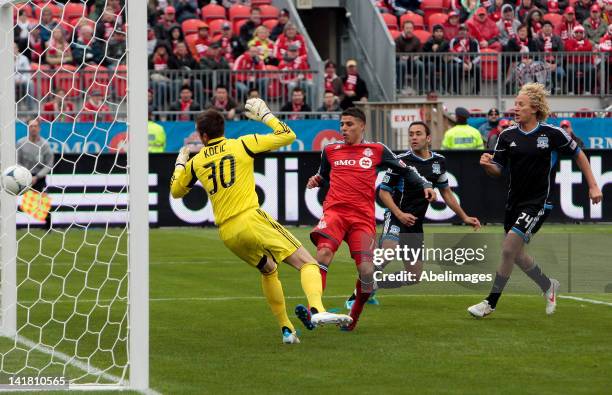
(406, 207)
(528, 152)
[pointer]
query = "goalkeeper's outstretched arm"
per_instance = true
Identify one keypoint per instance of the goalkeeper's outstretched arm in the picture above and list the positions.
(183, 177)
(282, 135)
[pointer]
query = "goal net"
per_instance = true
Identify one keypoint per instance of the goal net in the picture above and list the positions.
(74, 300)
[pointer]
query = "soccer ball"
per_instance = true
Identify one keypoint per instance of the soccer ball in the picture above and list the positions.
(16, 179)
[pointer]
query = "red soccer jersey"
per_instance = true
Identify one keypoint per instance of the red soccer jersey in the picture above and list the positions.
(351, 171)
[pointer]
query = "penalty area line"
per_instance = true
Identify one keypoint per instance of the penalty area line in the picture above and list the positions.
(587, 300)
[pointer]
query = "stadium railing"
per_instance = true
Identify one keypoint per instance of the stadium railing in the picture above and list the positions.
(495, 74)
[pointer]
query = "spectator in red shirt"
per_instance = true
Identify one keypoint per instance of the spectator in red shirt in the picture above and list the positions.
(290, 36)
(605, 43)
(251, 63)
(580, 69)
(160, 59)
(494, 9)
(296, 105)
(451, 26)
(298, 77)
(508, 25)
(583, 9)
(58, 108)
(565, 29)
(94, 109)
(333, 83)
(594, 26)
(203, 41)
(184, 105)
(484, 30)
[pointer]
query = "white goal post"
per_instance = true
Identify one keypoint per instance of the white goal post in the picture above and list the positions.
(44, 353)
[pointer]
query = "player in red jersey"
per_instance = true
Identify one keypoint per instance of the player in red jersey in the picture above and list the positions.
(351, 168)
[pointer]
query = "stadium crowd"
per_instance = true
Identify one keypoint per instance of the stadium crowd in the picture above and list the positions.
(469, 28)
(252, 47)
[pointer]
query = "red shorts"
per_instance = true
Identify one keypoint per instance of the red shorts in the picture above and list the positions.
(337, 225)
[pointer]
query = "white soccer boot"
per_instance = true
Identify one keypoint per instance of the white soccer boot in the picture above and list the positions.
(290, 337)
(481, 309)
(551, 296)
(327, 318)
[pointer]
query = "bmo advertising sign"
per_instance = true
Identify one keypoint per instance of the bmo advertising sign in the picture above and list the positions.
(80, 197)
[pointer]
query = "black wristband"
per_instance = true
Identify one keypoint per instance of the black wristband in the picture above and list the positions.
(179, 164)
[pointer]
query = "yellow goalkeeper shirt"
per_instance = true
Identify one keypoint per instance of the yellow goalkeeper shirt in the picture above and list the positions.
(225, 169)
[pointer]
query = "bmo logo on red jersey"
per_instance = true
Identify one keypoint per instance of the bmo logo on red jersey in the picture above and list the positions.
(345, 162)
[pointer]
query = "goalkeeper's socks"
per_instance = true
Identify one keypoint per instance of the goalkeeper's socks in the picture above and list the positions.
(323, 268)
(312, 284)
(496, 290)
(535, 273)
(273, 290)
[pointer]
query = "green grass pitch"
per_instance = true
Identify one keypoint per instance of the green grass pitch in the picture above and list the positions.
(211, 331)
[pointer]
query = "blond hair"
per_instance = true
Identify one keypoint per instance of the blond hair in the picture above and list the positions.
(537, 93)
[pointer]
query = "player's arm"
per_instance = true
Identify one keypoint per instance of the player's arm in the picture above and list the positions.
(184, 176)
(257, 110)
(451, 201)
(565, 144)
(322, 175)
(385, 192)
(494, 164)
(409, 173)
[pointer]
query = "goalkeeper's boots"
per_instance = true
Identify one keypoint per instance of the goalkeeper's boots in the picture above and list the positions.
(303, 314)
(551, 296)
(289, 337)
(481, 309)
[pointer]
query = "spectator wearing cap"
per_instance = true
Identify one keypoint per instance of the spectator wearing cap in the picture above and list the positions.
(490, 124)
(462, 135)
(523, 9)
(221, 101)
(494, 133)
(400, 7)
(290, 36)
(468, 9)
(202, 42)
(484, 30)
(409, 65)
(283, 19)
(213, 59)
(508, 25)
(250, 64)
(184, 105)
(330, 104)
(451, 26)
(435, 65)
(167, 21)
(594, 26)
(265, 46)
(565, 29)
(231, 47)
(567, 126)
(182, 59)
(295, 67)
(583, 10)
(580, 69)
(248, 29)
(550, 43)
(353, 86)
(186, 9)
(296, 105)
(465, 62)
(331, 80)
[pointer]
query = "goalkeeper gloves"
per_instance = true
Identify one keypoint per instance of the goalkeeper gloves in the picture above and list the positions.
(182, 157)
(257, 110)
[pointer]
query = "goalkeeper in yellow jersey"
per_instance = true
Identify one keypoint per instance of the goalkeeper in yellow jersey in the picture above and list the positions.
(225, 169)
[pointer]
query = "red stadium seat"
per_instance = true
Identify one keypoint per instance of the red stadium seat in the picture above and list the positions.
(190, 40)
(275, 89)
(488, 64)
(73, 11)
(95, 78)
(395, 34)
(238, 24)
(269, 12)
(191, 26)
(390, 21)
(259, 3)
(67, 79)
(584, 112)
(41, 76)
(270, 23)
(431, 7)
(416, 19)
(119, 81)
(56, 10)
(555, 19)
(213, 11)
(238, 12)
(437, 19)
(422, 35)
(216, 26)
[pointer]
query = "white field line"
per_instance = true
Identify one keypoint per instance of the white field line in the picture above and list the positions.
(592, 301)
(87, 368)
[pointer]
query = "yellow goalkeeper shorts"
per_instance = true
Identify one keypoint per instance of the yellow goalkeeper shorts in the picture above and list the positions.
(253, 235)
